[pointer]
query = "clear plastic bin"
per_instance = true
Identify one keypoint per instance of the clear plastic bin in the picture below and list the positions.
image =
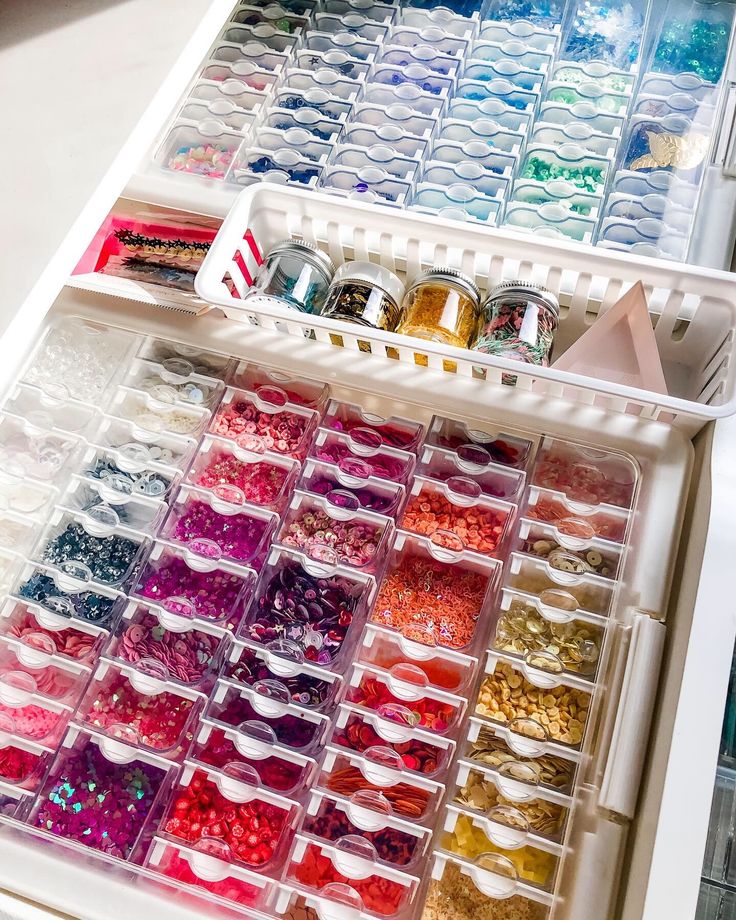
(31, 452)
(207, 150)
(254, 52)
(420, 751)
(473, 462)
(606, 76)
(569, 553)
(547, 708)
(141, 709)
(455, 514)
(443, 669)
(536, 36)
(367, 447)
(522, 78)
(48, 410)
(264, 710)
(278, 768)
(155, 418)
(368, 816)
(432, 59)
(265, 420)
(127, 473)
(403, 694)
(575, 519)
(680, 32)
(214, 592)
(15, 802)
(381, 157)
(157, 642)
(597, 98)
(372, 494)
(583, 110)
(355, 23)
(590, 36)
(346, 873)
(372, 9)
(173, 381)
(323, 79)
(482, 130)
(513, 49)
(208, 363)
(300, 391)
(558, 192)
(254, 14)
(353, 45)
(459, 201)
(282, 666)
(585, 170)
(29, 714)
(489, 108)
(87, 762)
(40, 670)
(48, 590)
(316, 100)
(336, 60)
(208, 865)
(139, 446)
(79, 359)
(325, 129)
(389, 135)
(227, 102)
(261, 79)
(463, 585)
(507, 449)
(205, 525)
(560, 593)
(91, 546)
(112, 496)
(23, 764)
(40, 629)
(369, 184)
(582, 134)
(255, 808)
(419, 101)
(240, 476)
(335, 531)
(381, 770)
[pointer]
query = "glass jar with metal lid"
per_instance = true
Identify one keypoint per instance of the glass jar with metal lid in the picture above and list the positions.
(442, 305)
(295, 274)
(365, 293)
(519, 321)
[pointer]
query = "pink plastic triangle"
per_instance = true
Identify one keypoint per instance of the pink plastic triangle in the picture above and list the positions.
(620, 347)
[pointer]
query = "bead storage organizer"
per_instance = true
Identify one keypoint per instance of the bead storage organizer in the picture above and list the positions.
(376, 729)
(288, 97)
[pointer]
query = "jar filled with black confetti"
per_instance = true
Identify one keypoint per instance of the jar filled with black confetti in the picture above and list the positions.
(295, 274)
(365, 293)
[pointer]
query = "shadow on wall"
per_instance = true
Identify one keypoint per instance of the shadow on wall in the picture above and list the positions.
(20, 20)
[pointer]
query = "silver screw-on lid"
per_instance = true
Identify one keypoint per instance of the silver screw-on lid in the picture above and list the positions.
(308, 251)
(449, 276)
(529, 289)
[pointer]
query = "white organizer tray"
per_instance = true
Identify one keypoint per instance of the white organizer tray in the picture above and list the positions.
(694, 309)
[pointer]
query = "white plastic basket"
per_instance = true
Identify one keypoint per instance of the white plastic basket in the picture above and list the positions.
(693, 309)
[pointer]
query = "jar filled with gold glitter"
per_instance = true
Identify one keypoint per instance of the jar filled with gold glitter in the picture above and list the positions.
(442, 305)
(364, 293)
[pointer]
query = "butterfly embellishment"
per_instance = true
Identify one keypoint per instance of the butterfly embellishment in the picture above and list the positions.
(680, 152)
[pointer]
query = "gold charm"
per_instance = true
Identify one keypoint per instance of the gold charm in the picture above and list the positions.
(684, 152)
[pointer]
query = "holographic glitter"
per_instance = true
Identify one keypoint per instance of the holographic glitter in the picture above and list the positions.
(100, 804)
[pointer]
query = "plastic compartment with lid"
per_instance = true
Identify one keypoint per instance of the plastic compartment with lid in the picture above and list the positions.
(206, 150)
(276, 143)
(28, 451)
(419, 101)
(317, 100)
(380, 769)
(366, 446)
(208, 865)
(28, 713)
(255, 15)
(456, 514)
(463, 585)
(532, 34)
(511, 798)
(357, 23)
(323, 79)
(522, 78)
(283, 667)
(14, 801)
(581, 112)
(676, 220)
(599, 99)
(512, 49)
(382, 157)
(402, 693)
(488, 108)
(442, 669)
(509, 449)
(264, 710)
(111, 494)
(206, 525)
(584, 135)
(265, 420)
(678, 45)
(250, 72)
(338, 60)
(557, 192)
(227, 792)
(353, 477)
(482, 130)
(369, 184)
(137, 447)
(346, 875)
(87, 761)
(536, 730)
(243, 476)
(66, 597)
(155, 416)
(23, 763)
(300, 391)
(491, 182)
(645, 237)
(400, 433)
(17, 536)
(306, 119)
(520, 756)
(422, 752)
(604, 75)
(390, 135)
(128, 471)
(577, 519)
(38, 669)
(173, 381)
(458, 202)
(586, 474)
(79, 358)
(49, 408)
(141, 708)
(548, 633)
(368, 816)
(254, 52)
(489, 884)
(590, 34)
(194, 587)
(331, 603)
(231, 103)
(40, 629)
(421, 59)
(560, 592)
(251, 747)
(471, 462)
(569, 553)
(353, 46)
(583, 169)
(172, 647)
(207, 363)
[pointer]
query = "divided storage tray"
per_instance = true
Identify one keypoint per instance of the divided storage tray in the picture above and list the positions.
(287, 715)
